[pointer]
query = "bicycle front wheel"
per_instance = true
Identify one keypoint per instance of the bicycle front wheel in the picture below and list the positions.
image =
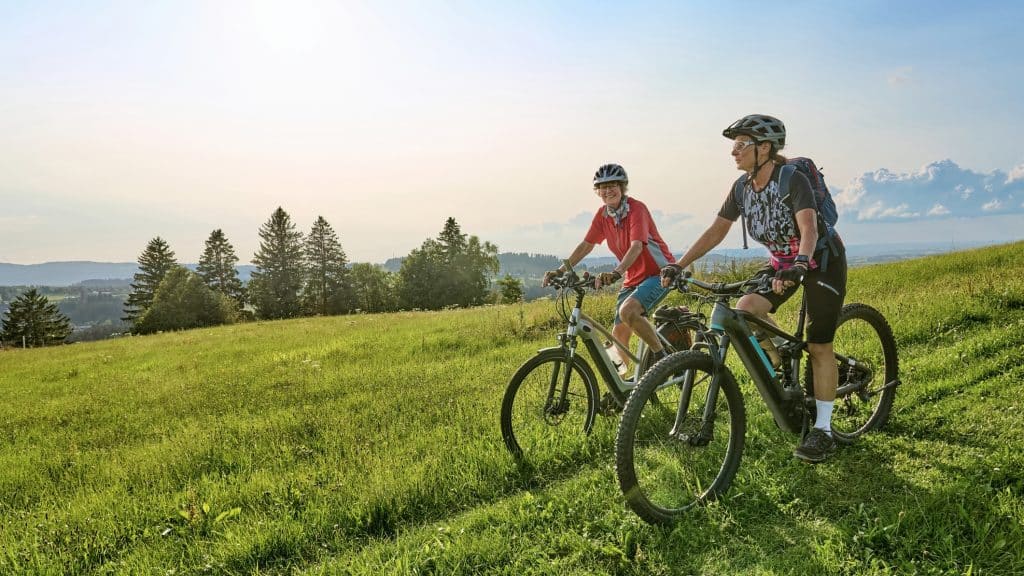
(545, 415)
(867, 379)
(680, 439)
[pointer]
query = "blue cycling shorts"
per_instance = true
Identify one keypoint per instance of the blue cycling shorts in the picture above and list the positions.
(648, 293)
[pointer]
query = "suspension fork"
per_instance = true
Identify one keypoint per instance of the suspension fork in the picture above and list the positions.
(568, 342)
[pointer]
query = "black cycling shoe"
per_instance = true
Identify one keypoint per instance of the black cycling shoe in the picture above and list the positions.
(816, 446)
(658, 356)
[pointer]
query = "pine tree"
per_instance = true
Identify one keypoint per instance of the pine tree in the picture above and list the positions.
(32, 320)
(217, 267)
(452, 240)
(280, 269)
(154, 263)
(327, 289)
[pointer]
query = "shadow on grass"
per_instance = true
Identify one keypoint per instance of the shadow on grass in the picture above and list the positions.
(500, 477)
(854, 514)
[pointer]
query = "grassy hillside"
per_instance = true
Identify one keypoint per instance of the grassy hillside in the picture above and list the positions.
(370, 445)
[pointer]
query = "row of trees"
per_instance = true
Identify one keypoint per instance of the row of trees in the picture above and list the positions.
(296, 275)
(305, 275)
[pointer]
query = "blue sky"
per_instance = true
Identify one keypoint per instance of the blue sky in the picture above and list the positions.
(121, 121)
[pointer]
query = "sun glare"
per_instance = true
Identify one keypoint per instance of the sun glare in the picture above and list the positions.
(286, 28)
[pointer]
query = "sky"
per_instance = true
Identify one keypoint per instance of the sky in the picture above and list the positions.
(122, 121)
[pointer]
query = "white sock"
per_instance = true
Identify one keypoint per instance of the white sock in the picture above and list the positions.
(824, 419)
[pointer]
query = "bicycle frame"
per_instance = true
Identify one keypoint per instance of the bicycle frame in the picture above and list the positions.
(782, 393)
(581, 326)
(729, 327)
(593, 333)
(734, 330)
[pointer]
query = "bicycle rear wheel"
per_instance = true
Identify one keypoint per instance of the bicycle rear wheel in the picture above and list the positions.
(537, 419)
(665, 465)
(866, 382)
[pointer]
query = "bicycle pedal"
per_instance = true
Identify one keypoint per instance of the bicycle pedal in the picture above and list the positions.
(693, 439)
(700, 440)
(608, 406)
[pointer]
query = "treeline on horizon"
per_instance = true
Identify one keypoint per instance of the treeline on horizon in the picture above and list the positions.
(295, 275)
(309, 274)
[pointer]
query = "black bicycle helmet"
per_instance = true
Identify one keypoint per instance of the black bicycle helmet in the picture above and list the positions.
(610, 173)
(760, 127)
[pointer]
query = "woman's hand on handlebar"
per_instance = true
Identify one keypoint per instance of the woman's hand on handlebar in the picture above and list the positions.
(789, 277)
(670, 274)
(606, 279)
(549, 276)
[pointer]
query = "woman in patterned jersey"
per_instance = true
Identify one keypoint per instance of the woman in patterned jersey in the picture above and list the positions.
(786, 222)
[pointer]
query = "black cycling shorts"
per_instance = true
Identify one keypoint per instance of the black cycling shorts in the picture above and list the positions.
(825, 293)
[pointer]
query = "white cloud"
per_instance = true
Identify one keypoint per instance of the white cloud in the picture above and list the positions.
(849, 197)
(992, 205)
(937, 190)
(879, 211)
(1016, 174)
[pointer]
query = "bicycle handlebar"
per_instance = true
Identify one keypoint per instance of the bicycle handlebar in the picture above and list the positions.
(722, 288)
(571, 281)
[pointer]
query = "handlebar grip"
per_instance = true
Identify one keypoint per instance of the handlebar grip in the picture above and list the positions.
(682, 282)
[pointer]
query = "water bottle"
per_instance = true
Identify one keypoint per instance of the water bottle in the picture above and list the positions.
(768, 345)
(616, 358)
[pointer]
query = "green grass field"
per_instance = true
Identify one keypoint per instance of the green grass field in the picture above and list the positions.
(370, 445)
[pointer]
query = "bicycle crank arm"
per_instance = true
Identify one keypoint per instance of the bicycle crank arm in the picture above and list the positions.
(887, 386)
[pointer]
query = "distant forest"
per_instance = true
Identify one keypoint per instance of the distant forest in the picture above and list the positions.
(528, 268)
(95, 306)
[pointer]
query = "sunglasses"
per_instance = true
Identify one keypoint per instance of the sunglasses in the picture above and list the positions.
(741, 145)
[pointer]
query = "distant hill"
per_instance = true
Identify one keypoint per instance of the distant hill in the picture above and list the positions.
(79, 272)
(63, 273)
(519, 264)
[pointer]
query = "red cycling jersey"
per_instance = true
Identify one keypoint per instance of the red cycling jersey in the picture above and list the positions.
(636, 225)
